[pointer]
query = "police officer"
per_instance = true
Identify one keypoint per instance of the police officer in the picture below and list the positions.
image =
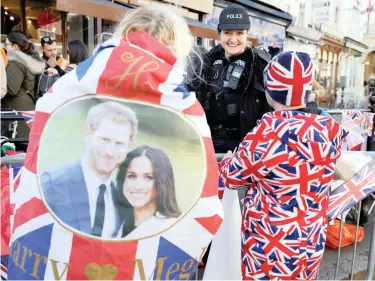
(231, 90)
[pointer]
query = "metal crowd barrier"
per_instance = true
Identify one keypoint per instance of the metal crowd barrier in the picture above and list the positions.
(13, 159)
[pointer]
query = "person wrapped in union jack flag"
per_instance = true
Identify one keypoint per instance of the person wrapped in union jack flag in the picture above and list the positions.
(287, 162)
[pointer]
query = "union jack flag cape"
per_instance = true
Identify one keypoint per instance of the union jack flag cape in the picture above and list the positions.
(42, 249)
(10, 177)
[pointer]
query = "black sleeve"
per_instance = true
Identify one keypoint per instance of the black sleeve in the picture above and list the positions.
(195, 82)
(59, 70)
(262, 58)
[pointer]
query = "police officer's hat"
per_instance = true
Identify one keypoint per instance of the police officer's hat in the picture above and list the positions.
(234, 17)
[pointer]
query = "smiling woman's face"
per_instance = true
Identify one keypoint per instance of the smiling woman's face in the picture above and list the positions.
(233, 41)
(139, 185)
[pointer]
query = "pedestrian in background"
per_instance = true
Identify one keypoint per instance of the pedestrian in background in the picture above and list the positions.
(77, 52)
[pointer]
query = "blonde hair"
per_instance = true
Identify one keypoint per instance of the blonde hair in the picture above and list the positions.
(115, 112)
(163, 24)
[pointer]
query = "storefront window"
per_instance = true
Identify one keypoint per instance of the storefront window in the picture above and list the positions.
(10, 17)
(81, 28)
(43, 19)
(107, 28)
(325, 75)
(333, 77)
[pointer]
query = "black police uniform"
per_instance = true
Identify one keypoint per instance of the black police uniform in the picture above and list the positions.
(233, 96)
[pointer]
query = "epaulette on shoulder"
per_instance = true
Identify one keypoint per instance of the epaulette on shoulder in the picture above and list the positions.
(263, 54)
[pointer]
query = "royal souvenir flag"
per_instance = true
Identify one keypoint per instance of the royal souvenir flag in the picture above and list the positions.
(28, 117)
(120, 177)
(360, 127)
(356, 170)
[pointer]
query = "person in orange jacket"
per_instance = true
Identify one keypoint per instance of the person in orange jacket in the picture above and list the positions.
(3, 65)
(49, 48)
(4, 55)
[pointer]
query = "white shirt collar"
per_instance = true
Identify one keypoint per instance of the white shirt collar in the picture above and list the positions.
(93, 183)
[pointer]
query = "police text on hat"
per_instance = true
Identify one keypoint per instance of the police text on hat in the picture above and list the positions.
(234, 17)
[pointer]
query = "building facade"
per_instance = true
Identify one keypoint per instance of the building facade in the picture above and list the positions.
(301, 36)
(89, 21)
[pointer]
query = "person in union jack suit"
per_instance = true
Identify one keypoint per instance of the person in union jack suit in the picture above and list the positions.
(287, 162)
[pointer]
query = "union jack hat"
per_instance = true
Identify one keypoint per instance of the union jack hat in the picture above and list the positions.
(288, 78)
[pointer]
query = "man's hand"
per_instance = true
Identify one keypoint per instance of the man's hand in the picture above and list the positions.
(52, 62)
(51, 71)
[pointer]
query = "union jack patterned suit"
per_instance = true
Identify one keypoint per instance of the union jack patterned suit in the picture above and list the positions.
(288, 163)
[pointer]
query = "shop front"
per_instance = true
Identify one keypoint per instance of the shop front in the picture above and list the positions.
(37, 18)
(87, 20)
(328, 60)
(43, 18)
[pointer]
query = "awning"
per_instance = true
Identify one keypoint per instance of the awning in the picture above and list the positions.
(93, 8)
(333, 42)
(310, 35)
(355, 45)
(113, 11)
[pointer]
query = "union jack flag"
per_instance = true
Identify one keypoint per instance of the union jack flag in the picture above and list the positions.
(351, 121)
(369, 123)
(4, 270)
(288, 79)
(10, 178)
(28, 117)
(354, 115)
(52, 251)
(352, 191)
(221, 187)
